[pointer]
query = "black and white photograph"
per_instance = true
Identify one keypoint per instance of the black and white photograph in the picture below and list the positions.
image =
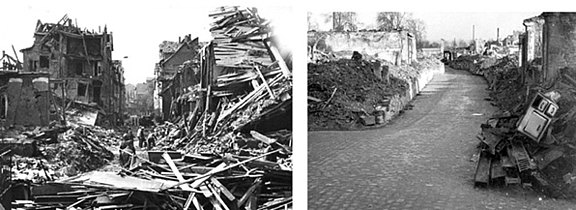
(441, 110)
(162, 105)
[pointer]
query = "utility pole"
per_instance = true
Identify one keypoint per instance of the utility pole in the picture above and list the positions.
(497, 34)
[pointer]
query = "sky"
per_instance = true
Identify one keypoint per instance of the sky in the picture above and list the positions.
(137, 29)
(452, 25)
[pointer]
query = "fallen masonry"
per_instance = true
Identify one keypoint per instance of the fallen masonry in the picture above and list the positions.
(529, 142)
(350, 94)
(231, 149)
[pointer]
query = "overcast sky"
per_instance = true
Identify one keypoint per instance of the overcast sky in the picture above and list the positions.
(450, 25)
(137, 28)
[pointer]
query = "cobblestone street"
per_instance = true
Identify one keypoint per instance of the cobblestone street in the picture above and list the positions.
(421, 160)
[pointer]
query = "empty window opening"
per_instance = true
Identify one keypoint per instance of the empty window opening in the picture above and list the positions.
(44, 62)
(96, 93)
(82, 89)
(78, 67)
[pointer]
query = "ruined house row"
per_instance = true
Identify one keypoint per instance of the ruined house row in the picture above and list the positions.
(80, 69)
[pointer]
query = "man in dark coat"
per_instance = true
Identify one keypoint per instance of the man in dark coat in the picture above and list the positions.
(127, 146)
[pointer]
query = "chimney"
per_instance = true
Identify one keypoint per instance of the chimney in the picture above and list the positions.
(498, 34)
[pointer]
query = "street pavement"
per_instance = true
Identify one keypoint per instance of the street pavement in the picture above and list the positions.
(421, 160)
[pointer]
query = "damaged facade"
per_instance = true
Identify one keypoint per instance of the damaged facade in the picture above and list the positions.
(549, 45)
(398, 47)
(80, 66)
(174, 73)
(24, 99)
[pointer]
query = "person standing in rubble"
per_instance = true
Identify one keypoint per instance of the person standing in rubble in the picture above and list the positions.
(141, 138)
(151, 140)
(127, 149)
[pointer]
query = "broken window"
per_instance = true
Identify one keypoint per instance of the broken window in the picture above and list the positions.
(44, 62)
(78, 67)
(82, 89)
(3, 106)
(33, 65)
(96, 93)
(97, 68)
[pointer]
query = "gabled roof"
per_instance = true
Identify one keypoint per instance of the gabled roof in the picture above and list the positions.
(189, 43)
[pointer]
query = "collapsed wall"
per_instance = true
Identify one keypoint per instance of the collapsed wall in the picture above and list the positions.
(396, 47)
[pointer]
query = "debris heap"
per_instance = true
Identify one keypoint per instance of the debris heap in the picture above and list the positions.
(503, 76)
(341, 92)
(172, 180)
(45, 154)
(514, 152)
(231, 149)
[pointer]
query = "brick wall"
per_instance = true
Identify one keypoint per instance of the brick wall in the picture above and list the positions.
(559, 43)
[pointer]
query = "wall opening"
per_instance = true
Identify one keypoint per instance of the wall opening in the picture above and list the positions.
(77, 67)
(96, 94)
(3, 106)
(82, 89)
(44, 62)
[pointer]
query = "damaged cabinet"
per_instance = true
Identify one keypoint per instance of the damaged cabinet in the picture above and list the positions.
(538, 117)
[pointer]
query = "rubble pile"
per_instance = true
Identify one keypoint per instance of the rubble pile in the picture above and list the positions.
(249, 89)
(174, 181)
(509, 153)
(341, 92)
(465, 62)
(61, 151)
(502, 75)
(230, 149)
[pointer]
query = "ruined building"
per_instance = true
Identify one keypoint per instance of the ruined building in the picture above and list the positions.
(80, 66)
(549, 47)
(174, 72)
(398, 47)
(24, 96)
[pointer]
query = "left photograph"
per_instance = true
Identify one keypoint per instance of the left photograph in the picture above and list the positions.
(167, 107)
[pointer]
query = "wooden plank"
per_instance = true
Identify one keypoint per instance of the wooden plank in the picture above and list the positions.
(278, 57)
(482, 175)
(261, 137)
(216, 195)
(220, 169)
(249, 192)
(179, 176)
(208, 194)
(223, 189)
(248, 98)
(265, 83)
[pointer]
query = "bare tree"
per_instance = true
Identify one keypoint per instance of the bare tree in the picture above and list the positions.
(344, 21)
(388, 21)
(418, 28)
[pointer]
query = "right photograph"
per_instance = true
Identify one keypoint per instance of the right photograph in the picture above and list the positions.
(421, 110)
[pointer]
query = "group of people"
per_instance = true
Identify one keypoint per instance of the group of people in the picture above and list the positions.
(127, 148)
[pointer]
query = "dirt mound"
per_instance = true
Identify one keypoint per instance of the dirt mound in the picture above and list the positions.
(342, 90)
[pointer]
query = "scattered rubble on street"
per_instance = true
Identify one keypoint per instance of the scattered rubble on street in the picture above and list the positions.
(530, 141)
(228, 144)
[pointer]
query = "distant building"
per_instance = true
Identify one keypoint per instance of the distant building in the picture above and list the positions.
(80, 66)
(139, 98)
(171, 63)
